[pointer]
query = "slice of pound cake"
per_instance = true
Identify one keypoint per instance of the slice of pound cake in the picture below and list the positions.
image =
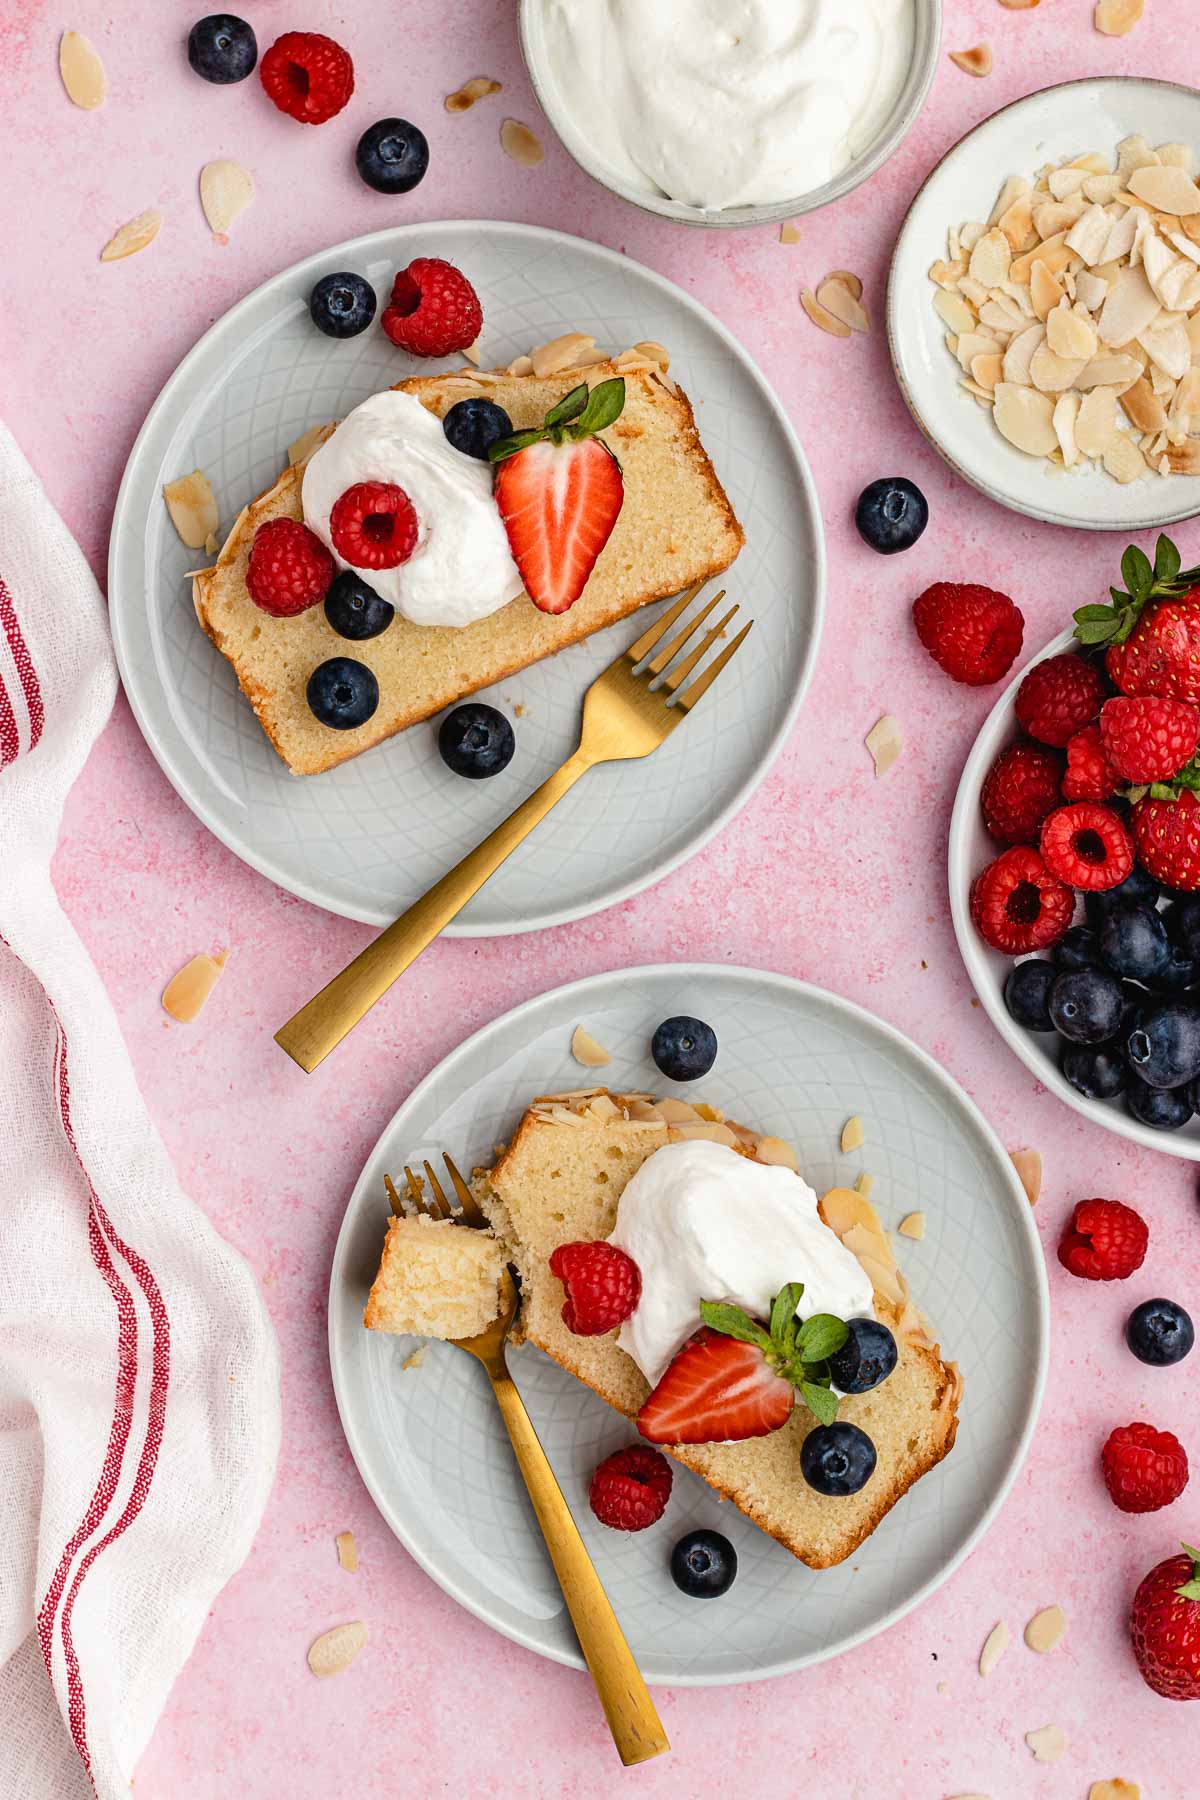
(675, 528)
(561, 1181)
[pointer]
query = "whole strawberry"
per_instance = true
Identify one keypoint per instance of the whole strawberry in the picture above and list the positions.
(1153, 630)
(1058, 697)
(1019, 790)
(1148, 738)
(1090, 775)
(1164, 1627)
(1167, 836)
(971, 632)
(1143, 1469)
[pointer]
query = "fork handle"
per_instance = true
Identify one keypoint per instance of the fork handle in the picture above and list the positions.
(321, 1025)
(635, 1725)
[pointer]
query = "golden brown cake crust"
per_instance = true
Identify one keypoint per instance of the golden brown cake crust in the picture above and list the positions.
(676, 527)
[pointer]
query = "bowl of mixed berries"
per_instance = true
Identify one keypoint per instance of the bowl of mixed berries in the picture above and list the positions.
(1075, 859)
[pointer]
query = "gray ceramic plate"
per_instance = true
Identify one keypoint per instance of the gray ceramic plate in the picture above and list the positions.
(793, 1060)
(369, 838)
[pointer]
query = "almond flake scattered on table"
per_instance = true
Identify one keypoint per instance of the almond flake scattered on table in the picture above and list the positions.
(82, 71)
(976, 61)
(864, 1185)
(995, 1644)
(838, 298)
(347, 1552)
(820, 317)
(133, 236)
(1115, 1789)
(587, 1051)
(193, 508)
(517, 141)
(1019, 5)
(883, 741)
(187, 993)
(1046, 1630)
(912, 1226)
(1028, 1164)
(1047, 1743)
(226, 189)
(789, 232)
(335, 1650)
(852, 1134)
(478, 88)
(1115, 17)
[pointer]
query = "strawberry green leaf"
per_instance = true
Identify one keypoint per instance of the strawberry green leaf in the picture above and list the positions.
(821, 1337)
(1163, 790)
(732, 1322)
(1191, 1589)
(1167, 560)
(820, 1400)
(1134, 794)
(605, 404)
(1137, 572)
(569, 407)
(783, 1308)
(520, 440)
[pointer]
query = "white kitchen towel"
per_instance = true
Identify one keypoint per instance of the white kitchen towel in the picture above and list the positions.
(139, 1382)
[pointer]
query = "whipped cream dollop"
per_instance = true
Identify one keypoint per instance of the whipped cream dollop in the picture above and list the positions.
(703, 1223)
(461, 569)
(728, 102)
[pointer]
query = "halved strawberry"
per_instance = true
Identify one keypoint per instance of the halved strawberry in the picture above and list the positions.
(559, 491)
(736, 1379)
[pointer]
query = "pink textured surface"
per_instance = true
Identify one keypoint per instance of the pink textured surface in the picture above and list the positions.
(827, 875)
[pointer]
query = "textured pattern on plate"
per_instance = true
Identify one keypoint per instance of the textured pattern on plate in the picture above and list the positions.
(793, 1060)
(368, 838)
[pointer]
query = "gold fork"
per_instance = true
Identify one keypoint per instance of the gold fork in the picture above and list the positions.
(635, 1725)
(627, 712)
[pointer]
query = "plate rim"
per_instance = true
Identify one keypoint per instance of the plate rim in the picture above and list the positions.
(126, 524)
(1024, 1044)
(1044, 515)
(950, 1088)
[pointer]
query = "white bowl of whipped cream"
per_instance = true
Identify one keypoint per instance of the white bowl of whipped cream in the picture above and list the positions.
(731, 112)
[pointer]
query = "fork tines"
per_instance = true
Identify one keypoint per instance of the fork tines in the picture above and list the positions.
(437, 1205)
(659, 666)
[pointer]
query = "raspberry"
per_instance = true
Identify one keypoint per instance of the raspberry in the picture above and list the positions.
(1087, 845)
(1143, 1468)
(972, 632)
(290, 569)
(1018, 905)
(308, 76)
(434, 310)
(603, 1286)
(630, 1488)
(1021, 788)
(1059, 697)
(1148, 739)
(1090, 775)
(373, 525)
(1104, 1241)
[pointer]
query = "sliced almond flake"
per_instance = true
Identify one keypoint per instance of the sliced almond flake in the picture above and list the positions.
(1131, 306)
(1088, 237)
(988, 369)
(994, 1645)
(1016, 222)
(1092, 161)
(1167, 345)
(1166, 189)
(1124, 461)
(1184, 244)
(837, 299)
(844, 1208)
(186, 994)
(1114, 1790)
(1143, 408)
(347, 1551)
(1091, 289)
(1048, 1743)
(883, 1279)
(852, 1134)
(1103, 189)
(1018, 6)
(82, 71)
(789, 232)
(1122, 236)
(823, 318)
(212, 543)
(977, 61)
(1178, 156)
(884, 743)
(970, 234)
(1117, 372)
(517, 141)
(1186, 460)
(1065, 181)
(991, 259)
(478, 88)
(1026, 418)
(1096, 424)
(560, 352)
(1192, 226)
(985, 396)
(1186, 403)
(1020, 353)
(973, 290)
(1066, 411)
(973, 344)
(1055, 216)
(193, 508)
(132, 237)
(1116, 17)
(1046, 1630)
(301, 448)
(335, 1650)
(1134, 152)
(471, 352)
(1015, 188)
(1069, 336)
(587, 1051)
(1053, 252)
(521, 365)
(864, 1185)
(776, 1152)
(912, 1226)
(415, 1360)
(1045, 290)
(226, 190)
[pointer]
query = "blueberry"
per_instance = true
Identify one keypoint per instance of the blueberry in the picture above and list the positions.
(476, 741)
(837, 1459)
(1183, 924)
(703, 1565)
(684, 1048)
(1086, 1005)
(392, 156)
(342, 305)
(355, 610)
(1134, 942)
(222, 48)
(1136, 887)
(891, 514)
(1078, 948)
(1097, 1071)
(1179, 972)
(1164, 1044)
(473, 426)
(1159, 1332)
(1163, 1109)
(867, 1357)
(342, 693)
(1026, 991)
